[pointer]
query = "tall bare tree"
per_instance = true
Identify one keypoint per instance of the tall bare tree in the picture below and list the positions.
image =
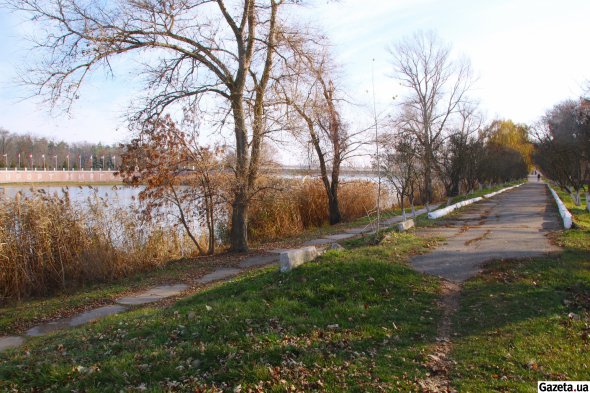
(436, 87)
(221, 49)
(310, 92)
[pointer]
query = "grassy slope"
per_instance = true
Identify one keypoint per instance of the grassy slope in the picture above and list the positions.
(515, 326)
(264, 331)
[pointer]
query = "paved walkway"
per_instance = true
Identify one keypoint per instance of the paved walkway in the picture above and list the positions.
(511, 225)
(162, 292)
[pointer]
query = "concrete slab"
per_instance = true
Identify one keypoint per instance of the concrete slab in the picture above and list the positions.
(48, 327)
(339, 236)
(153, 295)
(279, 250)
(359, 230)
(97, 313)
(259, 261)
(219, 274)
(9, 342)
(317, 242)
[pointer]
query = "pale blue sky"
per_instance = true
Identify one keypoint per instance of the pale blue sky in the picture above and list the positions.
(527, 54)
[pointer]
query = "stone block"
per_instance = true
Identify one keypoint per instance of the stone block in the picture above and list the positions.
(405, 225)
(293, 258)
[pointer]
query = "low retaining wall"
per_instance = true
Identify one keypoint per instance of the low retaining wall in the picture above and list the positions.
(39, 176)
(565, 214)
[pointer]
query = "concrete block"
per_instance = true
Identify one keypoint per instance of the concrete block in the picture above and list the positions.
(293, 258)
(405, 225)
(8, 342)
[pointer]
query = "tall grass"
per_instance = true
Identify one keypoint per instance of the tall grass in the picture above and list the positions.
(289, 206)
(47, 244)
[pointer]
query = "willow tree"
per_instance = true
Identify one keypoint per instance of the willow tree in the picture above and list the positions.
(216, 53)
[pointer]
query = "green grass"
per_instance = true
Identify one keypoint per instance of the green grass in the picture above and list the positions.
(354, 320)
(515, 325)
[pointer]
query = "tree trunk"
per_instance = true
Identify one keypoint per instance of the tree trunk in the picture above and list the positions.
(239, 219)
(239, 223)
(334, 207)
(427, 178)
(403, 208)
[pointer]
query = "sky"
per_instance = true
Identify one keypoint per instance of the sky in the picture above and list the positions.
(527, 55)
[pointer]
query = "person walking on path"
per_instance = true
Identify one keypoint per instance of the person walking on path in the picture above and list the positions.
(538, 177)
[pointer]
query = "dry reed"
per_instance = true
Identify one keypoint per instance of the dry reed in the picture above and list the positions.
(49, 244)
(289, 206)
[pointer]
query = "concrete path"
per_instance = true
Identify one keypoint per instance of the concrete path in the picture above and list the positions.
(165, 291)
(511, 225)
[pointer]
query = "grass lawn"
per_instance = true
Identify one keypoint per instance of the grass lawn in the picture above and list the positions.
(354, 320)
(525, 321)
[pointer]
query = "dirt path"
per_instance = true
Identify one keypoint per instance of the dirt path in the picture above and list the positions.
(512, 225)
(438, 361)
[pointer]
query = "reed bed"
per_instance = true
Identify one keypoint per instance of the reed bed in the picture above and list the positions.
(48, 244)
(289, 206)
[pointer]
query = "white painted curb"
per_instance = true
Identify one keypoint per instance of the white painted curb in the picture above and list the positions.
(501, 191)
(565, 214)
(444, 211)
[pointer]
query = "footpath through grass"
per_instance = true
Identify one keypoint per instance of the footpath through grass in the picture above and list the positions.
(354, 320)
(525, 321)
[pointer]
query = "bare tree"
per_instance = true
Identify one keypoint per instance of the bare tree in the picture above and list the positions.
(563, 147)
(436, 87)
(399, 165)
(220, 49)
(457, 161)
(310, 92)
